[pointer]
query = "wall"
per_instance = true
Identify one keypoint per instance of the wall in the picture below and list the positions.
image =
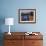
(9, 8)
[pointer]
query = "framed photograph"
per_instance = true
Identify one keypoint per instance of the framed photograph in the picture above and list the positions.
(27, 15)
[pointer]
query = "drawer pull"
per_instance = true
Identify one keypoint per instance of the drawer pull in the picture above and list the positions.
(33, 42)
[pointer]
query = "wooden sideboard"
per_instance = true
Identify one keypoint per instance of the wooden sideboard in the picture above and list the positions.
(20, 39)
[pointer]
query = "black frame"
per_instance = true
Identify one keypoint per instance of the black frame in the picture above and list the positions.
(27, 15)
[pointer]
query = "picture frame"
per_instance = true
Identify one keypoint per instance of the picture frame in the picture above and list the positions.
(27, 15)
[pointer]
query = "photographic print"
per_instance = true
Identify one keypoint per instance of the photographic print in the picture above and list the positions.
(27, 15)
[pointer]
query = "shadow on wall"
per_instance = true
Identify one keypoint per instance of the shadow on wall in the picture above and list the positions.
(2, 21)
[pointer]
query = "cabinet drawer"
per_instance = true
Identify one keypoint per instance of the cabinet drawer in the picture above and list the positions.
(16, 37)
(33, 43)
(9, 42)
(13, 43)
(39, 37)
(38, 43)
